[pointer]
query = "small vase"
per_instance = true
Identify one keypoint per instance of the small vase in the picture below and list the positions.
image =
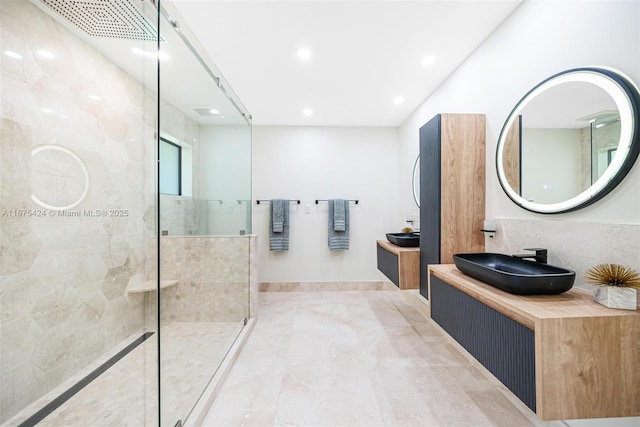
(616, 297)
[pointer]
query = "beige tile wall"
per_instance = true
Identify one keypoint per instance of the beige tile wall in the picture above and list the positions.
(213, 277)
(63, 275)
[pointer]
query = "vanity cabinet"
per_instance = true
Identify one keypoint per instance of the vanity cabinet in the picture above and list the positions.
(564, 356)
(452, 189)
(400, 265)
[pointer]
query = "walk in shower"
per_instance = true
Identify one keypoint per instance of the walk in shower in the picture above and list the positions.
(125, 224)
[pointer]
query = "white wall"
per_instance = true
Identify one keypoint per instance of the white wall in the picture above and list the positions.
(539, 39)
(309, 163)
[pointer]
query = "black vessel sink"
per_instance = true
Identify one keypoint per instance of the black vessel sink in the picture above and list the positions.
(406, 240)
(514, 275)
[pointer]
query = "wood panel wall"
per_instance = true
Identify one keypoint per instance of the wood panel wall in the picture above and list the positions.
(463, 164)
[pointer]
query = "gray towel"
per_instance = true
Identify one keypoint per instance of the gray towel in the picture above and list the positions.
(279, 229)
(278, 207)
(338, 214)
(338, 240)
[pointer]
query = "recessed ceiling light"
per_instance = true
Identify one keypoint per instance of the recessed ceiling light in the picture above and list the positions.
(428, 60)
(45, 54)
(214, 111)
(12, 54)
(307, 112)
(46, 110)
(94, 97)
(304, 53)
(398, 100)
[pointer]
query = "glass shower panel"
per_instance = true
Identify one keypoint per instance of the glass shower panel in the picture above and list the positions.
(204, 230)
(78, 341)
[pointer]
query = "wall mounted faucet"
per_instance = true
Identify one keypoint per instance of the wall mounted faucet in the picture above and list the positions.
(540, 255)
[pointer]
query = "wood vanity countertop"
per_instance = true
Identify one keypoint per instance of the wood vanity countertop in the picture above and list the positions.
(395, 249)
(528, 309)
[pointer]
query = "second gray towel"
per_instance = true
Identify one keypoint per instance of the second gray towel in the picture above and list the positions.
(339, 222)
(279, 227)
(338, 239)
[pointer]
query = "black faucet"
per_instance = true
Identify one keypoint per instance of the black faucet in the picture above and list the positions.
(540, 256)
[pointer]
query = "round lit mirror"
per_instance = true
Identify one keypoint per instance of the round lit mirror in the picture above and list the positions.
(416, 181)
(570, 140)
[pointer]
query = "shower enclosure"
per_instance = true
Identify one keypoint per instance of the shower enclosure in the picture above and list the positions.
(126, 266)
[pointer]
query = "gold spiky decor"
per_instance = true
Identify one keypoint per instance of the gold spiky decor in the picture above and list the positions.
(616, 285)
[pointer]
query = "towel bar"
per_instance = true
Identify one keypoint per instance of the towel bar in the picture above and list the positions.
(320, 200)
(267, 201)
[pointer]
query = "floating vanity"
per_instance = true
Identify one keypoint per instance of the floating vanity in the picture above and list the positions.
(564, 356)
(401, 265)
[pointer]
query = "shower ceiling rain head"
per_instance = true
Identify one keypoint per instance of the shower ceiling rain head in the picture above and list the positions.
(121, 19)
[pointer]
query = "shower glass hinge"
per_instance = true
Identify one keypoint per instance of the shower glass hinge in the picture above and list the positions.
(246, 321)
(178, 423)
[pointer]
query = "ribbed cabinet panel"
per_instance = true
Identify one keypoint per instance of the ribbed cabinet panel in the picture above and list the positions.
(388, 264)
(503, 346)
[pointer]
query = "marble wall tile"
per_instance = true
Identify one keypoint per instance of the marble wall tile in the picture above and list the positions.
(253, 276)
(574, 245)
(214, 277)
(63, 279)
(18, 293)
(15, 140)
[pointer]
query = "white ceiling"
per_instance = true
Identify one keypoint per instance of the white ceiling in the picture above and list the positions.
(364, 54)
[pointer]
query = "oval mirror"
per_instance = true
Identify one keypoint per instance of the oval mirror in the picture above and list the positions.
(570, 140)
(416, 181)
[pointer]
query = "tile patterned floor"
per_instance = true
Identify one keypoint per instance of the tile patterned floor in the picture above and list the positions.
(365, 358)
(126, 394)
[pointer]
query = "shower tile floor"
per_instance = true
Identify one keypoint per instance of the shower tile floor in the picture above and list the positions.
(126, 394)
(354, 359)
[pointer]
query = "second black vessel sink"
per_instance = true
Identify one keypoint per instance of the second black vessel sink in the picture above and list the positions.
(406, 240)
(515, 275)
